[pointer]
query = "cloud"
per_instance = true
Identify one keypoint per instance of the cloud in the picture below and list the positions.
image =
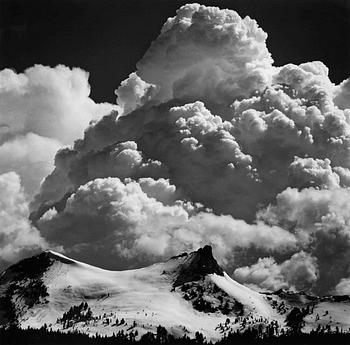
(41, 110)
(256, 141)
(208, 54)
(74, 169)
(31, 156)
(191, 145)
(343, 287)
(134, 92)
(17, 237)
(144, 220)
(300, 272)
(342, 95)
(209, 143)
(320, 220)
(306, 172)
(310, 210)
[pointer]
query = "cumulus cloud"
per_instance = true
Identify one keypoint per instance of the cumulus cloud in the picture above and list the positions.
(41, 110)
(209, 143)
(343, 287)
(17, 237)
(300, 272)
(320, 219)
(29, 155)
(134, 92)
(342, 95)
(305, 172)
(144, 219)
(208, 54)
(193, 145)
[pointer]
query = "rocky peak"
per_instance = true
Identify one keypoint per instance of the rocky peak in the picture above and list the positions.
(32, 267)
(197, 265)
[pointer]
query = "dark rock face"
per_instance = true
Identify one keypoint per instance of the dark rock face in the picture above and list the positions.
(191, 282)
(197, 265)
(31, 268)
(198, 292)
(24, 279)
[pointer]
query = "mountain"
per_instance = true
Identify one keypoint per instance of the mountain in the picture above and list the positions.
(188, 293)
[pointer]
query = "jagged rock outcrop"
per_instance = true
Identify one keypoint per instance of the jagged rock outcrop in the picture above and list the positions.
(197, 265)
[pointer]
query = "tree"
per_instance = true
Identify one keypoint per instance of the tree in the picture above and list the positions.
(295, 320)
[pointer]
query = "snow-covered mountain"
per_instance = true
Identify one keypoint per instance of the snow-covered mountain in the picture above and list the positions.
(187, 293)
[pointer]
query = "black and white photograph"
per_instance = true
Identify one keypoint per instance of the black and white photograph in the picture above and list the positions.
(174, 172)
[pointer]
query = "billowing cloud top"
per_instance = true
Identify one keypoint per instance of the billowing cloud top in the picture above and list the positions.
(42, 110)
(208, 54)
(209, 143)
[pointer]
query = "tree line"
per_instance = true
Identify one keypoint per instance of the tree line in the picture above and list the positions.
(254, 336)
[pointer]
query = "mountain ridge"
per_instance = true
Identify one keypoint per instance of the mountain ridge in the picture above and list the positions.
(185, 294)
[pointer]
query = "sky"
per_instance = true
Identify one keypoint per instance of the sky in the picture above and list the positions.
(92, 35)
(132, 131)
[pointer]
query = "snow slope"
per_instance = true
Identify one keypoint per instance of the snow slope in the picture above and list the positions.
(188, 293)
(254, 301)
